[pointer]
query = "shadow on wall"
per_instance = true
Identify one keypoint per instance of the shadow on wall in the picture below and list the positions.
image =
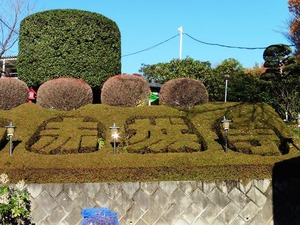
(286, 192)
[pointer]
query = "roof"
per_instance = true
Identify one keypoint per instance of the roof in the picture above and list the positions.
(9, 57)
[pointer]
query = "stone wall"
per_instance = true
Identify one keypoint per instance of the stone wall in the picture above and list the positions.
(159, 203)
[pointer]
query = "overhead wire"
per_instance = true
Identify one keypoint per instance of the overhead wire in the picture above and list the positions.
(154, 46)
(199, 41)
(224, 46)
(5, 24)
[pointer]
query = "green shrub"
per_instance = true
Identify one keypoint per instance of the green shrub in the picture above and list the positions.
(68, 43)
(15, 202)
(13, 92)
(183, 92)
(125, 90)
(64, 94)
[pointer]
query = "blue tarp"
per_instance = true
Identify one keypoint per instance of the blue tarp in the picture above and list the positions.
(99, 216)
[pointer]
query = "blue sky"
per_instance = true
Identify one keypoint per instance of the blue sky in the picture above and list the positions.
(145, 23)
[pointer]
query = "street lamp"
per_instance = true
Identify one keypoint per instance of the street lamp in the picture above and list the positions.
(10, 130)
(225, 123)
(298, 120)
(114, 135)
(226, 86)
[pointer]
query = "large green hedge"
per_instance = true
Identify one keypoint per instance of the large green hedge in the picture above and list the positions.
(68, 43)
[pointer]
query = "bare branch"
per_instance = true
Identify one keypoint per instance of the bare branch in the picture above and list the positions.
(11, 14)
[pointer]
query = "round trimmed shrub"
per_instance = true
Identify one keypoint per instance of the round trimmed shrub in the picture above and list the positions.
(125, 90)
(183, 92)
(13, 92)
(64, 94)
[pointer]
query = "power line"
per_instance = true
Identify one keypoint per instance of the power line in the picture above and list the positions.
(154, 46)
(202, 42)
(224, 46)
(5, 24)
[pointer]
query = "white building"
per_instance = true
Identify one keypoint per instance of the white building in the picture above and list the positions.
(8, 66)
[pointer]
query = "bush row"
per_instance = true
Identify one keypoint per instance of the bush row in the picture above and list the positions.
(120, 90)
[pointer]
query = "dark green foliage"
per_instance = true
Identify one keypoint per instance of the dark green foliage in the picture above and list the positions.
(13, 92)
(176, 68)
(125, 90)
(68, 43)
(278, 61)
(64, 94)
(281, 80)
(245, 88)
(215, 81)
(183, 92)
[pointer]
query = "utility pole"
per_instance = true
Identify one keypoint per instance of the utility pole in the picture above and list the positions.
(180, 29)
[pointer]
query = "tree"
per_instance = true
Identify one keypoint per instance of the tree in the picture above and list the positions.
(176, 68)
(11, 14)
(215, 82)
(256, 70)
(242, 87)
(294, 25)
(282, 79)
(278, 61)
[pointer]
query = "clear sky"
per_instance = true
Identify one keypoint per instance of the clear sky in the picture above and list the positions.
(144, 24)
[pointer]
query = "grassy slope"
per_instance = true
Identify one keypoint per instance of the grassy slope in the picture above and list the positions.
(103, 165)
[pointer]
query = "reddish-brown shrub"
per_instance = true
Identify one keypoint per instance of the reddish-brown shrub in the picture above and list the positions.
(13, 92)
(64, 94)
(125, 90)
(183, 92)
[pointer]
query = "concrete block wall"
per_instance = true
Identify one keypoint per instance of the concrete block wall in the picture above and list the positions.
(158, 203)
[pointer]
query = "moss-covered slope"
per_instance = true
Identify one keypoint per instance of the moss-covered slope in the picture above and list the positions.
(155, 143)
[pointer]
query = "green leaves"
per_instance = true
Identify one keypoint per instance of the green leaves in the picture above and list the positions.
(176, 68)
(68, 43)
(14, 202)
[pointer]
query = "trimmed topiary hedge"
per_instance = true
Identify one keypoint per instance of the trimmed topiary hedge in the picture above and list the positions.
(68, 43)
(64, 94)
(86, 132)
(183, 92)
(13, 92)
(125, 90)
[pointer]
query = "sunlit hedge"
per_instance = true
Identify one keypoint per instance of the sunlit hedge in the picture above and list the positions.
(68, 43)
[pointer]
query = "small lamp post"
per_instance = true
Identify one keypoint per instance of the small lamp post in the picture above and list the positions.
(10, 129)
(298, 120)
(225, 123)
(226, 86)
(114, 135)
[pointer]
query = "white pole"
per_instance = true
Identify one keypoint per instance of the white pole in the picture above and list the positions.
(226, 85)
(180, 29)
